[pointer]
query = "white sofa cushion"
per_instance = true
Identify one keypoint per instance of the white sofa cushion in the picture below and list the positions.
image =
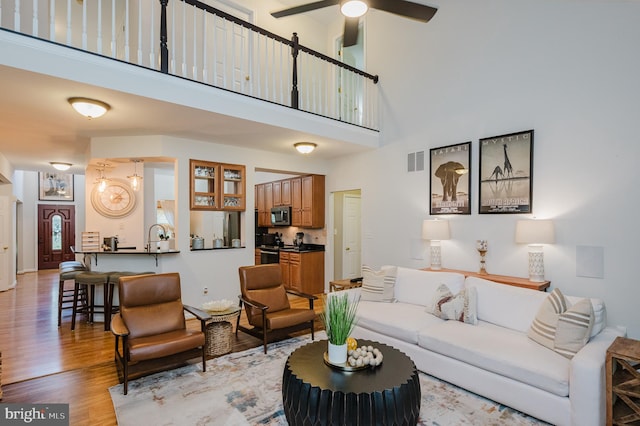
(560, 326)
(506, 305)
(399, 320)
(378, 286)
(461, 307)
(599, 313)
(419, 287)
(500, 350)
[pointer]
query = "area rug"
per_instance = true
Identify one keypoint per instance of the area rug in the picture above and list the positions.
(244, 388)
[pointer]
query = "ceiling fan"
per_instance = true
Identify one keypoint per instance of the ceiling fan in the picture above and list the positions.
(353, 9)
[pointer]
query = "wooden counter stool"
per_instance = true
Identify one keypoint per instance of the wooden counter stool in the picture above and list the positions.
(88, 281)
(67, 271)
(114, 279)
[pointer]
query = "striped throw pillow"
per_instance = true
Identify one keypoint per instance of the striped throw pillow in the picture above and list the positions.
(561, 327)
(377, 286)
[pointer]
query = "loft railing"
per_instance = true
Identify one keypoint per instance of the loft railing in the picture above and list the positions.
(193, 40)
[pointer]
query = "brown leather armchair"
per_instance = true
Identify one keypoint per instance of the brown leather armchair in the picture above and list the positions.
(267, 305)
(152, 326)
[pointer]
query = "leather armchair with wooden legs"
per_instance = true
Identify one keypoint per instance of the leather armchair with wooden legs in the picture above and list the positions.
(266, 304)
(152, 327)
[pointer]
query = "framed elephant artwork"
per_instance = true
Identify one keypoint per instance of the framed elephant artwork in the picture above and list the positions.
(449, 183)
(506, 173)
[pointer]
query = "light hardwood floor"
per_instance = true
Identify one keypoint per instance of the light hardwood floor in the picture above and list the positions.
(42, 363)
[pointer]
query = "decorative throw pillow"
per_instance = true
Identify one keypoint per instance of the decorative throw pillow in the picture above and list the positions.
(461, 307)
(561, 327)
(377, 286)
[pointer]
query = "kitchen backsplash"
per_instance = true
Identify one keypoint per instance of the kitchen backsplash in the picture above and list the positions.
(311, 236)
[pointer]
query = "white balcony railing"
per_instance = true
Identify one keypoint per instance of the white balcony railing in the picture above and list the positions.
(190, 39)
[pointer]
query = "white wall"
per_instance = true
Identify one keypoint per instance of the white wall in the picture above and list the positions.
(566, 69)
(217, 269)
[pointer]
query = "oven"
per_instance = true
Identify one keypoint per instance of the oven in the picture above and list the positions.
(269, 255)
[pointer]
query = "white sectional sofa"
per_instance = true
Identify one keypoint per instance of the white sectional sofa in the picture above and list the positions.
(494, 358)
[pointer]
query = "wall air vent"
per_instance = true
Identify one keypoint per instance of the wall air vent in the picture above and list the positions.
(415, 161)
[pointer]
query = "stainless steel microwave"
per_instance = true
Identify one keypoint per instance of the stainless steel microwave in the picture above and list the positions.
(281, 216)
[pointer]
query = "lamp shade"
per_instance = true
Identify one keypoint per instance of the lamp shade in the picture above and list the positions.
(535, 232)
(435, 230)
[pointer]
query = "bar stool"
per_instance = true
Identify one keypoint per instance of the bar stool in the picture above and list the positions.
(89, 280)
(114, 279)
(67, 271)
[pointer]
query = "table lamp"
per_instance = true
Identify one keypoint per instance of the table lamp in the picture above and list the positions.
(435, 231)
(535, 233)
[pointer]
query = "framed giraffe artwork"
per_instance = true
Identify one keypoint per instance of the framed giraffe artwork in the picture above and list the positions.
(506, 173)
(450, 183)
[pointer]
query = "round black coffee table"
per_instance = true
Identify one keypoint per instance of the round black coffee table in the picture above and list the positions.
(314, 393)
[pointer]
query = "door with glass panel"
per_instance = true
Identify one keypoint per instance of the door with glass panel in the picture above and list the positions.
(56, 234)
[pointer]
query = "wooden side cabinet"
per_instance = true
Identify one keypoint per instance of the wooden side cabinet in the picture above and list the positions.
(623, 382)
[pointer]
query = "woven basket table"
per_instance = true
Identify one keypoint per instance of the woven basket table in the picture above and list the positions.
(219, 331)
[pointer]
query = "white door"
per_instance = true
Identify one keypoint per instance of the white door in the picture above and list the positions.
(5, 239)
(351, 247)
(232, 50)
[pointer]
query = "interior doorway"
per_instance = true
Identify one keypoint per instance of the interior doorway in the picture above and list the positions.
(347, 240)
(56, 234)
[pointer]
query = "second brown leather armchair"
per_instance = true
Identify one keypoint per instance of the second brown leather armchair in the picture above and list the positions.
(267, 305)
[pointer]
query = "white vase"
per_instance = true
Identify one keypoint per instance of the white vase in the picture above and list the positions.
(337, 353)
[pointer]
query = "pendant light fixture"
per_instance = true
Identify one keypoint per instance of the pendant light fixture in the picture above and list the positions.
(305, 147)
(135, 179)
(102, 180)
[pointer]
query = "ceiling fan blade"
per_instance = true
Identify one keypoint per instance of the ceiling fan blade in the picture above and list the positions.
(350, 36)
(404, 8)
(304, 8)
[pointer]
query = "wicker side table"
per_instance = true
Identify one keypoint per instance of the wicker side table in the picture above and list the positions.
(219, 331)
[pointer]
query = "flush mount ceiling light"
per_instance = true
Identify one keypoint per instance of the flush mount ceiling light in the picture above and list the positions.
(90, 108)
(135, 178)
(353, 8)
(60, 166)
(305, 147)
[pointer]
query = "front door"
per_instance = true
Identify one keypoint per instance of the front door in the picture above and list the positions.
(56, 234)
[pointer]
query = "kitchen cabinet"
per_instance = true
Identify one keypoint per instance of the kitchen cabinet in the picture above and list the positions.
(303, 272)
(307, 201)
(217, 186)
(264, 202)
(305, 195)
(282, 193)
(256, 254)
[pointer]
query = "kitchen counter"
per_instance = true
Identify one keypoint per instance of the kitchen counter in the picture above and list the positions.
(101, 252)
(305, 248)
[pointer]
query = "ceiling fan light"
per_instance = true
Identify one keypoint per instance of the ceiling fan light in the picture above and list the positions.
(354, 8)
(60, 166)
(90, 108)
(305, 147)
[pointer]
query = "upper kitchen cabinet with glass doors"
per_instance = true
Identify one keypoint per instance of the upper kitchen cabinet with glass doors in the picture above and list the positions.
(217, 186)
